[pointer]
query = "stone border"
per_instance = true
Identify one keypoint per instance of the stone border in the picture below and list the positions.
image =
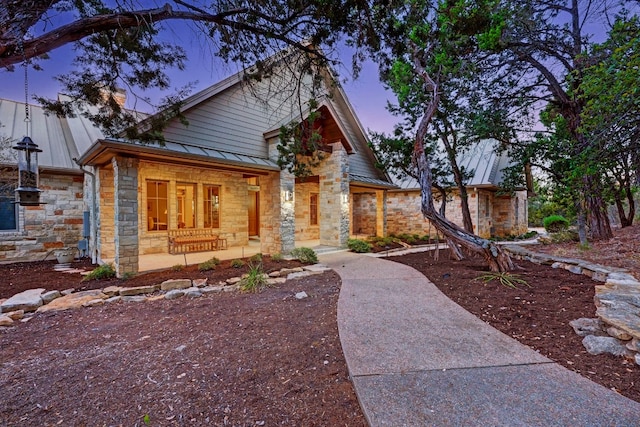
(617, 328)
(24, 305)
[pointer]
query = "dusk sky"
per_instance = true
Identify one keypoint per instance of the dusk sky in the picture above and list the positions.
(366, 94)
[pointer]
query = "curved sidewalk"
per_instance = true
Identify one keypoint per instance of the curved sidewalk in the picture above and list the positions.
(416, 358)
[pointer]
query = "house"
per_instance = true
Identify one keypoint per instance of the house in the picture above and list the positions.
(120, 198)
(493, 214)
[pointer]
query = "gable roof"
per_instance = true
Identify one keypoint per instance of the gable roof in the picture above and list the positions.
(486, 163)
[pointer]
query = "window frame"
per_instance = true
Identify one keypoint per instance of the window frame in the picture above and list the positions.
(160, 220)
(207, 201)
(314, 211)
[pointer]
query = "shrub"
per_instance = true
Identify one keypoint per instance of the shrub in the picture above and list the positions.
(104, 271)
(207, 265)
(237, 263)
(358, 245)
(306, 255)
(256, 258)
(277, 257)
(178, 267)
(215, 261)
(555, 223)
(505, 279)
(254, 280)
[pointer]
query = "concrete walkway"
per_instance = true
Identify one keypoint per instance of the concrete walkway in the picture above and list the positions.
(416, 358)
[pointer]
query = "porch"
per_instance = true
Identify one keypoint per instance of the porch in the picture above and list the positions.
(161, 261)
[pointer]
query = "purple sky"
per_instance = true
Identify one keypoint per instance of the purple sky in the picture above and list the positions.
(366, 94)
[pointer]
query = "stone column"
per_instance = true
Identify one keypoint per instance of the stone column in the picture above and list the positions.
(334, 198)
(125, 180)
(381, 213)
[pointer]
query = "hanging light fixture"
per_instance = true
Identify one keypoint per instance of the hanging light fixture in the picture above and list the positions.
(27, 192)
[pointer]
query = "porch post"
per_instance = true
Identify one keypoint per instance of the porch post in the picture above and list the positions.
(334, 198)
(381, 213)
(125, 180)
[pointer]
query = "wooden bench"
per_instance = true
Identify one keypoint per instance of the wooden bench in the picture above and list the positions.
(184, 240)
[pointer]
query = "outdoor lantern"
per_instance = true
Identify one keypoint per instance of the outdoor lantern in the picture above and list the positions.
(28, 192)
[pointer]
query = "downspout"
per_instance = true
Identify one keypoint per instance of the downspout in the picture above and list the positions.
(93, 225)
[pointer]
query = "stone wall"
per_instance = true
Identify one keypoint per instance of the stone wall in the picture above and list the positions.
(54, 224)
(304, 229)
(364, 214)
(334, 198)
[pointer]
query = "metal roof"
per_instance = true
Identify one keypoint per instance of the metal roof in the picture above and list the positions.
(485, 162)
(370, 182)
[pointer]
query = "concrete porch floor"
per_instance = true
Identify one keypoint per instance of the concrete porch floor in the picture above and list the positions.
(164, 260)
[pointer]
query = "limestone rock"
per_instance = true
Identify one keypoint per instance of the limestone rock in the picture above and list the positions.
(298, 275)
(67, 291)
(137, 290)
(212, 289)
(599, 345)
(114, 298)
(155, 298)
(318, 268)
(174, 294)
(15, 315)
(573, 268)
(93, 302)
(302, 295)
(619, 334)
(291, 270)
(47, 297)
(274, 274)
(28, 300)
(193, 293)
(276, 281)
(637, 359)
(585, 326)
(169, 285)
(111, 291)
(232, 288)
(133, 298)
(74, 300)
(200, 283)
(233, 280)
(5, 320)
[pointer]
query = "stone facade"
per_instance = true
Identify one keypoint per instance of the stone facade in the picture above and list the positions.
(125, 173)
(54, 224)
(364, 214)
(334, 198)
(304, 229)
(491, 215)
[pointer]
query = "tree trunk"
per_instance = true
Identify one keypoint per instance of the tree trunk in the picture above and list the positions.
(599, 225)
(582, 224)
(625, 221)
(496, 258)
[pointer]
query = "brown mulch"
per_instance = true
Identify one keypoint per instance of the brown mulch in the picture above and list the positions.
(246, 359)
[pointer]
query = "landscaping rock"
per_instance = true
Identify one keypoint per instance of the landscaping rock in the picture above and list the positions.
(111, 291)
(47, 297)
(134, 298)
(138, 290)
(302, 295)
(317, 268)
(233, 280)
(193, 293)
(74, 300)
(200, 283)
(5, 320)
(15, 315)
(619, 334)
(298, 275)
(212, 289)
(114, 298)
(609, 345)
(276, 281)
(585, 326)
(291, 270)
(67, 292)
(93, 302)
(28, 300)
(231, 288)
(169, 285)
(274, 274)
(174, 294)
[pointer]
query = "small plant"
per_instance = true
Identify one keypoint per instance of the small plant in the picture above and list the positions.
(254, 280)
(555, 223)
(207, 266)
(215, 261)
(306, 255)
(178, 267)
(237, 263)
(505, 278)
(256, 258)
(277, 257)
(104, 271)
(358, 246)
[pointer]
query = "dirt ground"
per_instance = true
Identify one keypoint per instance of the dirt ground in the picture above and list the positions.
(245, 359)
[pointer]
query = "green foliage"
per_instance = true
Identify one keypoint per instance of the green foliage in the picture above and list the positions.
(506, 279)
(146, 419)
(306, 255)
(256, 257)
(215, 261)
(255, 280)
(104, 271)
(177, 267)
(277, 257)
(207, 265)
(555, 223)
(566, 236)
(358, 245)
(237, 263)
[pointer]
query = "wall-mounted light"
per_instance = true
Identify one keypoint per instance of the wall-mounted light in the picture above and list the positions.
(28, 178)
(345, 198)
(288, 196)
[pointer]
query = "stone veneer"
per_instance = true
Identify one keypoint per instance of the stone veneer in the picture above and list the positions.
(364, 214)
(491, 215)
(54, 224)
(334, 198)
(125, 173)
(304, 229)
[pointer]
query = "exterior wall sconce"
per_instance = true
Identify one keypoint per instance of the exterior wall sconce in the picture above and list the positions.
(28, 178)
(288, 196)
(345, 198)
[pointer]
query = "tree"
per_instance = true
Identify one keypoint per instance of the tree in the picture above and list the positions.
(117, 45)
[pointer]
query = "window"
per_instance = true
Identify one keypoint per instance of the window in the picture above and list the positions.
(8, 212)
(487, 207)
(313, 209)
(157, 198)
(517, 213)
(186, 204)
(211, 206)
